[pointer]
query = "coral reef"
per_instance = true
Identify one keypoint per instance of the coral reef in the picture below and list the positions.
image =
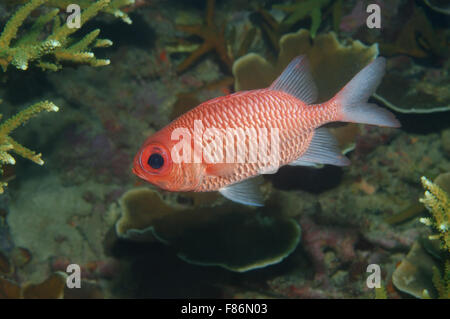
(114, 7)
(426, 87)
(92, 270)
(412, 211)
(355, 19)
(18, 258)
(414, 274)
(407, 42)
(5, 265)
(326, 55)
(77, 230)
(213, 39)
(416, 43)
(317, 239)
(442, 281)
(380, 293)
(51, 288)
(275, 26)
(439, 6)
(204, 238)
(356, 209)
(445, 139)
(57, 47)
(437, 202)
(8, 144)
(302, 9)
(419, 273)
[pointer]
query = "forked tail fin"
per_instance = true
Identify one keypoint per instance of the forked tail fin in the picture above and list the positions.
(354, 96)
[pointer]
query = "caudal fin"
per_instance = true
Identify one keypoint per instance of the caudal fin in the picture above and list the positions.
(354, 96)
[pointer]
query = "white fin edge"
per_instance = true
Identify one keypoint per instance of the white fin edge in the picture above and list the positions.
(299, 162)
(354, 96)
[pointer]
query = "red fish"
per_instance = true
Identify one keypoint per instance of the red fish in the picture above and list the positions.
(224, 142)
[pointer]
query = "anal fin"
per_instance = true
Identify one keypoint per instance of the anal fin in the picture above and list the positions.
(323, 149)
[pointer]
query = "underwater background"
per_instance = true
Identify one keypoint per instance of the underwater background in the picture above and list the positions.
(94, 92)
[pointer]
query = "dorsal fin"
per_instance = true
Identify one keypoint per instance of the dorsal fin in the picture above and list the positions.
(297, 80)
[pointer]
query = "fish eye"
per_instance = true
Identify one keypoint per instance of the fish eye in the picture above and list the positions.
(156, 161)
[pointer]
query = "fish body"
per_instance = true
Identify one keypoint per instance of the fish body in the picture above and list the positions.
(224, 142)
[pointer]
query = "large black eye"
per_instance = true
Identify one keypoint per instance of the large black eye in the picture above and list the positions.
(156, 161)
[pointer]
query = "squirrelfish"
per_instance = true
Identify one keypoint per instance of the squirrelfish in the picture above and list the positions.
(223, 143)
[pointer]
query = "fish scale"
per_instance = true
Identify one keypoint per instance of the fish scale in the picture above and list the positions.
(257, 109)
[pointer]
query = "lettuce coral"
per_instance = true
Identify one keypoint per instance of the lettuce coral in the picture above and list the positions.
(202, 238)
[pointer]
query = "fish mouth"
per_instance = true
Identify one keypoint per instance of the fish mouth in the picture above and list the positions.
(141, 174)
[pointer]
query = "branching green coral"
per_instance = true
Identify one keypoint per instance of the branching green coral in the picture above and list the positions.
(442, 282)
(59, 46)
(47, 51)
(114, 7)
(8, 144)
(303, 8)
(437, 202)
(380, 293)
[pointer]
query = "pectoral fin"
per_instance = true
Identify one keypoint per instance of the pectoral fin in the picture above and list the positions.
(220, 169)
